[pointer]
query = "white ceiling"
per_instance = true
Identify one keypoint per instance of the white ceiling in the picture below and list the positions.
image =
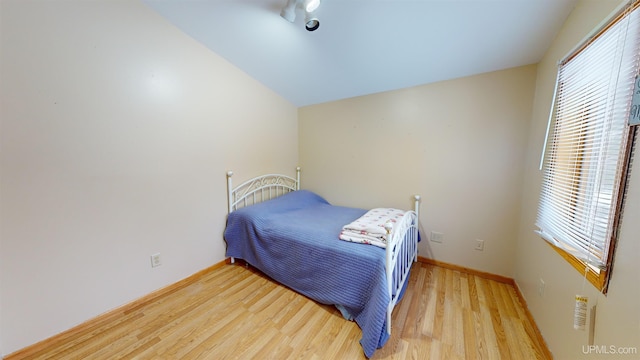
(364, 47)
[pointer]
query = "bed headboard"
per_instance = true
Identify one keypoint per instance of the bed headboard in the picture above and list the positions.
(260, 188)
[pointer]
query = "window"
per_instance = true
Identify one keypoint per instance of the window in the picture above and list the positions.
(585, 167)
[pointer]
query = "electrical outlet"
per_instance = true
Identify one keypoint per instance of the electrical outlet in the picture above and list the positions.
(541, 286)
(155, 260)
(436, 237)
(479, 245)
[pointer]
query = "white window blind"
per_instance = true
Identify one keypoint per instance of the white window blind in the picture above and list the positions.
(586, 159)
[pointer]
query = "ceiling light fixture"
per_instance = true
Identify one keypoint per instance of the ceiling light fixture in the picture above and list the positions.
(311, 5)
(289, 11)
(311, 22)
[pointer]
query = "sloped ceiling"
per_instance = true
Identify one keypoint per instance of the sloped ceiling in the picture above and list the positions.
(364, 47)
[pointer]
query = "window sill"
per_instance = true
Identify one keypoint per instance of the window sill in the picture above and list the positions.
(599, 279)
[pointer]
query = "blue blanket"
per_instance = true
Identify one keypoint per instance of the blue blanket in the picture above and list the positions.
(294, 240)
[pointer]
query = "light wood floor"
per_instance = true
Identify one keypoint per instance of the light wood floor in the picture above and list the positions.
(234, 312)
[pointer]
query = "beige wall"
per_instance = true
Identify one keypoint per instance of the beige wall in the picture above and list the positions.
(116, 134)
(116, 130)
(618, 315)
(459, 144)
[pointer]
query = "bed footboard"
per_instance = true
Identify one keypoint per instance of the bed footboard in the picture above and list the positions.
(401, 252)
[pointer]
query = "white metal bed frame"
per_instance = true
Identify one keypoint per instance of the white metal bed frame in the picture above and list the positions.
(402, 238)
(260, 188)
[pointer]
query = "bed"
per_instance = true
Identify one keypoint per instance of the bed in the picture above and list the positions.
(291, 235)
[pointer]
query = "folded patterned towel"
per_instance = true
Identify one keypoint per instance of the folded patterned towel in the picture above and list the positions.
(369, 228)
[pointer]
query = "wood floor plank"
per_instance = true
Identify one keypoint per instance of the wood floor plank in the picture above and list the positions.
(488, 330)
(429, 315)
(235, 312)
(474, 300)
(84, 340)
(499, 332)
(108, 341)
(471, 349)
(405, 319)
(458, 331)
(312, 324)
(342, 340)
(278, 348)
(419, 350)
(330, 331)
(508, 300)
(465, 294)
(440, 292)
(183, 339)
(482, 343)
